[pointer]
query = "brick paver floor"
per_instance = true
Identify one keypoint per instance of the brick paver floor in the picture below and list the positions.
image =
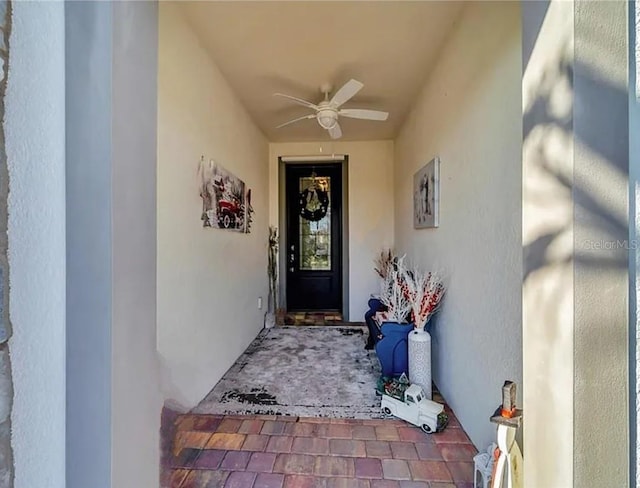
(314, 318)
(210, 451)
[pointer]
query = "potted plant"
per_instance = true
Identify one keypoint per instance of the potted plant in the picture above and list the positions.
(385, 262)
(393, 293)
(392, 347)
(383, 265)
(424, 291)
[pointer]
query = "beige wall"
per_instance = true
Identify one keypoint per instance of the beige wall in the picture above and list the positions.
(370, 206)
(209, 280)
(469, 114)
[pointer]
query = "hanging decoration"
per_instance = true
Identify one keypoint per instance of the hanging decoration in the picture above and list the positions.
(313, 202)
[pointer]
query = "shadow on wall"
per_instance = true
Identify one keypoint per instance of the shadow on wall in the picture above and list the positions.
(591, 209)
(572, 230)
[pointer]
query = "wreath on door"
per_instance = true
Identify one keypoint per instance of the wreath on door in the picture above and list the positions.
(314, 204)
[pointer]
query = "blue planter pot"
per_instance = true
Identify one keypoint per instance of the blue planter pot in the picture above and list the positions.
(392, 349)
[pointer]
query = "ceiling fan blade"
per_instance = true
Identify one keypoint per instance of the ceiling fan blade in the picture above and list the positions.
(335, 132)
(310, 116)
(361, 113)
(299, 101)
(348, 90)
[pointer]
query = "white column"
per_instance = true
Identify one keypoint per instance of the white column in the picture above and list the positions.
(575, 236)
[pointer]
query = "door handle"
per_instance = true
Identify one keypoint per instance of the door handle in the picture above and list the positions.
(291, 269)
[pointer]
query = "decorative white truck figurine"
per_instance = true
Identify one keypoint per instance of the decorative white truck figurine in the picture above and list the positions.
(411, 405)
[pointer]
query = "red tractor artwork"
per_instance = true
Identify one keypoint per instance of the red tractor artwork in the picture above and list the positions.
(230, 214)
(225, 203)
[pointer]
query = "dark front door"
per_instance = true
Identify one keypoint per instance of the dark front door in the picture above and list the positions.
(314, 238)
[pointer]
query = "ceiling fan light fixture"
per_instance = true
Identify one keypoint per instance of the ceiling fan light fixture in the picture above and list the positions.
(327, 119)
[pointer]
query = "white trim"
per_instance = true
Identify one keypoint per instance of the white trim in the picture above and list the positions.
(301, 159)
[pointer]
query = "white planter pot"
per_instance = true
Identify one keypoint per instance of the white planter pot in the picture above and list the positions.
(420, 360)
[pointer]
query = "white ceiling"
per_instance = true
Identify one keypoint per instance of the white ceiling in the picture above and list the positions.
(293, 47)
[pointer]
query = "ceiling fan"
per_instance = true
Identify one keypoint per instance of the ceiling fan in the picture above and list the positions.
(328, 111)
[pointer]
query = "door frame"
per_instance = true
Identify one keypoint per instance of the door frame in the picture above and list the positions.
(283, 161)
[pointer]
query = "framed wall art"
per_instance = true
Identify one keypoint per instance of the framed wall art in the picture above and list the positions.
(426, 195)
(226, 203)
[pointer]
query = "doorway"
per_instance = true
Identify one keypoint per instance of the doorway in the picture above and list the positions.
(313, 253)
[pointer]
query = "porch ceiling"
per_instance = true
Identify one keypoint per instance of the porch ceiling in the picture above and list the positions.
(293, 47)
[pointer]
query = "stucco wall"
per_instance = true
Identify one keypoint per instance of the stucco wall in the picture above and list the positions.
(135, 397)
(35, 142)
(600, 193)
(209, 280)
(575, 176)
(469, 114)
(548, 309)
(370, 207)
